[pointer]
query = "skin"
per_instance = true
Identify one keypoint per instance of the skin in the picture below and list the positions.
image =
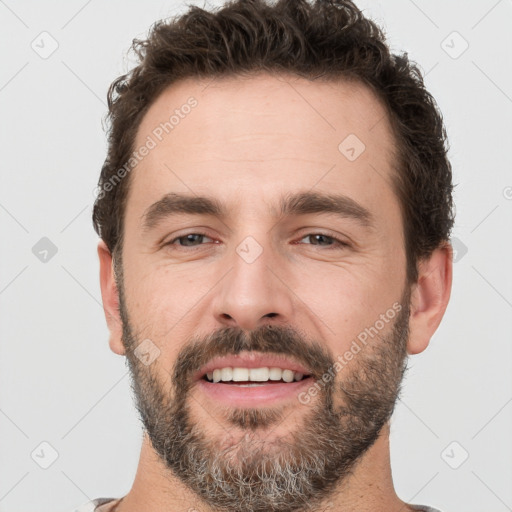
(248, 142)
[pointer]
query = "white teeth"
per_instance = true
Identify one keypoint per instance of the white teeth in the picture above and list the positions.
(287, 375)
(258, 374)
(253, 375)
(240, 374)
(275, 373)
(226, 374)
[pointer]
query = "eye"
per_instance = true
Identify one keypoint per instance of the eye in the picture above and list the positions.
(189, 240)
(324, 240)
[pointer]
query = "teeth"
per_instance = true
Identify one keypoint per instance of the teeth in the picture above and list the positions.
(258, 374)
(226, 374)
(275, 373)
(240, 374)
(253, 375)
(287, 375)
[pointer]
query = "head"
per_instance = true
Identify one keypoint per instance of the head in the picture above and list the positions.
(276, 189)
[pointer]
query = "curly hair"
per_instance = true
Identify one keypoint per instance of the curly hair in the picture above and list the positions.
(328, 39)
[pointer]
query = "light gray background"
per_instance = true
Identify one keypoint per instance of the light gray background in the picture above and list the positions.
(59, 382)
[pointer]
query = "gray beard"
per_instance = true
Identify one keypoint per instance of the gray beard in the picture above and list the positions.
(296, 472)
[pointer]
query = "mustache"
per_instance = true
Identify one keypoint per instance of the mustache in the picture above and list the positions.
(279, 340)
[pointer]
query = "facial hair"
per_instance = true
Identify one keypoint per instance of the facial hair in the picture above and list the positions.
(291, 473)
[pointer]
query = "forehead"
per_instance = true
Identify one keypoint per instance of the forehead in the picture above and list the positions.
(263, 134)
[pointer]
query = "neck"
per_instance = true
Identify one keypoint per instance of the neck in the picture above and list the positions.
(369, 488)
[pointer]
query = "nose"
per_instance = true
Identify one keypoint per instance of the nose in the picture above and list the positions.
(253, 293)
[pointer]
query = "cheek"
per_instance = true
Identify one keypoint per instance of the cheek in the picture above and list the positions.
(345, 301)
(165, 292)
(163, 304)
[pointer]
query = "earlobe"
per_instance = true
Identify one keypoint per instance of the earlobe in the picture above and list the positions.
(429, 297)
(110, 297)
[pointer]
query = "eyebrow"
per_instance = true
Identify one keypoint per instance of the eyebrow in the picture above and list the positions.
(315, 202)
(173, 204)
(292, 204)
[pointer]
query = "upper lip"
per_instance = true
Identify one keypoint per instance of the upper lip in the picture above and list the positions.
(252, 360)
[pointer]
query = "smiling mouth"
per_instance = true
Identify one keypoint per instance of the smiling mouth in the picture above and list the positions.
(251, 377)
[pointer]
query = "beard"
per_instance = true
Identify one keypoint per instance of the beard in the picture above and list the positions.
(244, 468)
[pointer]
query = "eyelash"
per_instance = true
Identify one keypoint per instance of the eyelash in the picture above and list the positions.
(337, 242)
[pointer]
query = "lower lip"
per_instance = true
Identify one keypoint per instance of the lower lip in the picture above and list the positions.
(253, 396)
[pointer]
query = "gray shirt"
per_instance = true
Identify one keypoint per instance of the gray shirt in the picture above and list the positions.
(93, 506)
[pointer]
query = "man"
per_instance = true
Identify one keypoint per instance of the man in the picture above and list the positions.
(274, 212)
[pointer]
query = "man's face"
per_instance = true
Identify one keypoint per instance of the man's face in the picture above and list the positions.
(264, 283)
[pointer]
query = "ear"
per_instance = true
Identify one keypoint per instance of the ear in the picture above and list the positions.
(110, 296)
(429, 297)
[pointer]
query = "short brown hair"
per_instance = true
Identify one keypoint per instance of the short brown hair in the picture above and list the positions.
(328, 39)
